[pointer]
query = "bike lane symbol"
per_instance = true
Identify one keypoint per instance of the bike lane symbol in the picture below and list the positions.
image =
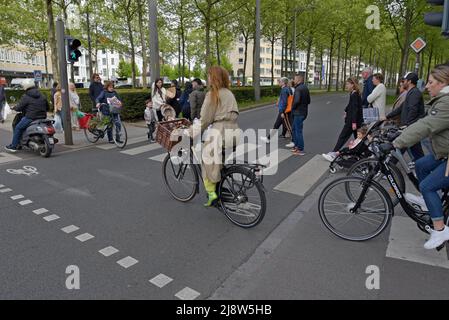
(26, 170)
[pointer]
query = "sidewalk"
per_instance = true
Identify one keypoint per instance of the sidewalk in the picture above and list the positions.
(135, 130)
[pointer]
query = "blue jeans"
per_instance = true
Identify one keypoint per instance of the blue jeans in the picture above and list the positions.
(298, 137)
(118, 126)
(432, 178)
(19, 130)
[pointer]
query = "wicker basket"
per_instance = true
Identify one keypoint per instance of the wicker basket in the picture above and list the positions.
(164, 130)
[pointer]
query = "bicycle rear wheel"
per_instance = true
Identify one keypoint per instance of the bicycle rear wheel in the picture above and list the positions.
(242, 197)
(119, 134)
(363, 167)
(181, 179)
(367, 222)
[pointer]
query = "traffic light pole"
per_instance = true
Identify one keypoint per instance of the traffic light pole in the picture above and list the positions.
(67, 121)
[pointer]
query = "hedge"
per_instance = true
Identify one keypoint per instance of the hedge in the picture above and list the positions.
(134, 99)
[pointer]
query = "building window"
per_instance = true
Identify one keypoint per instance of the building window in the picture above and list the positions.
(278, 52)
(240, 61)
(112, 61)
(241, 50)
(105, 62)
(76, 71)
(268, 51)
(268, 61)
(241, 39)
(103, 51)
(105, 72)
(277, 62)
(262, 50)
(113, 71)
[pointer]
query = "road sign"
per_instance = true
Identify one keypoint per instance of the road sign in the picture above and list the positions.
(418, 45)
(37, 75)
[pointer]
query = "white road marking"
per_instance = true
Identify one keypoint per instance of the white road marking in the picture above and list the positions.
(109, 251)
(242, 152)
(282, 155)
(5, 190)
(161, 280)
(52, 217)
(302, 180)
(127, 262)
(159, 158)
(142, 149)
(187, 294)
(130, 142)
(25, 202)
(40, 211)
(70, 229)
(6, 157)
(84, 237)
(1, 186)
(17, 197)
(407, 243)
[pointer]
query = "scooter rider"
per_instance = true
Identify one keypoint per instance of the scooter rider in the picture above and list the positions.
(34, 106)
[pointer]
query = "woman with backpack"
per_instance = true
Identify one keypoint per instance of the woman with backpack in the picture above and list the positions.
(282, 117)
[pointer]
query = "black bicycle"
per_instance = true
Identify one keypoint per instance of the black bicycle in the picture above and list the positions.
(99, 125)
(241, 195)
(359, 208)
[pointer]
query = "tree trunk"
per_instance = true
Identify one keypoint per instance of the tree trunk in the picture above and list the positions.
(337, 83)
(89, 43)
(52, 40)
(47, 76)
(330, 70)
(309, 52)
(217, 43)
(359, 62)
(143, 44)
(183, 45)
(321, 69)
(430, 62)
(245, 59)
(179, 54)
(133, 50)
(273, 41)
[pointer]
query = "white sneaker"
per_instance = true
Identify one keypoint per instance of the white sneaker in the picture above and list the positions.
(265, 139)
(437, 238)
(418, 200)
(329, 156)
(290, 145)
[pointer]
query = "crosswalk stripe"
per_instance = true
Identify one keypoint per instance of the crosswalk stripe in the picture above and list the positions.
(6, 157)
(142, 149)
(407, 243)
(273, 160)
(242, 152)
(303, 179)
(159, 157)
(130, 142)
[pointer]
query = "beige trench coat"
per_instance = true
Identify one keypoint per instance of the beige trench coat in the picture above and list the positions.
(222, 117)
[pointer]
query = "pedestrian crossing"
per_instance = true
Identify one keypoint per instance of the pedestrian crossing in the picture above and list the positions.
(298, 183)
(6, 158)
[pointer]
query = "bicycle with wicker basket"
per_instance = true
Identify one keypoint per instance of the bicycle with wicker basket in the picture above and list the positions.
(241, 195)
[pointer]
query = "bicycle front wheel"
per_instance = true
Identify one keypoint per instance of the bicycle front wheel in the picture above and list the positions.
(120, 135)
(181, 179)
(92, 135)
(336, 209)
(242, 197)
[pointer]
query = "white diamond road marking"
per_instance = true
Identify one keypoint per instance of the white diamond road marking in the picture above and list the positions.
(109, 251)
(127, 262)
(140, 150)
(25, 202)
(5, 190)
(187, 294)
(53, 217)
(161, 280)
(84, 237)
(40, 211)
(407, 243)
(19, 196)
(70, 229)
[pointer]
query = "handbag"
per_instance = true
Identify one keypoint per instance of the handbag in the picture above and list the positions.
(58, 123)
(115, 106)
(370, 114)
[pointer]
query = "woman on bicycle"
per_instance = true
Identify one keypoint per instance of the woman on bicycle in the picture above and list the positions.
(103, 105)
(220, 112)
(432, 170)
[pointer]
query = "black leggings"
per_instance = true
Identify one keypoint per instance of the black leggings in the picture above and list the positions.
(344, 136)
(286, 122)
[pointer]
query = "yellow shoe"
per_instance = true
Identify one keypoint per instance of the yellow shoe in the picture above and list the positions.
(212, 197)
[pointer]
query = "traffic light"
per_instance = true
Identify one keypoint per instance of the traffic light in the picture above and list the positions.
(73, 53)
(439, 19)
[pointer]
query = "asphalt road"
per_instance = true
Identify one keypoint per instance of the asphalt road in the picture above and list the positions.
(158, 248)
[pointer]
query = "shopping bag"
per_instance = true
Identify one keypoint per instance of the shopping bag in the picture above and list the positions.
(5, 111)
(115, 106)
(370, 115)
(58, 123)
(79, 114)
(84, 121)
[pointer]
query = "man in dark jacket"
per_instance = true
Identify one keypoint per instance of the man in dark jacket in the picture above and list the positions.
(33, 106)
(197, 98)
(411, 110)
(368, 85)
(300, 110)
(95, 89)
(2, 98)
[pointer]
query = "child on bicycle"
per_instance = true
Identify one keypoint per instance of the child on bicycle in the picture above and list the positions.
(150, 119)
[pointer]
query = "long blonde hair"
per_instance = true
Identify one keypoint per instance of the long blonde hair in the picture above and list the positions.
(219, 79)
(441, 73)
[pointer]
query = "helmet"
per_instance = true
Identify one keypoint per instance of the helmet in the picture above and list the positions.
(28, 84)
